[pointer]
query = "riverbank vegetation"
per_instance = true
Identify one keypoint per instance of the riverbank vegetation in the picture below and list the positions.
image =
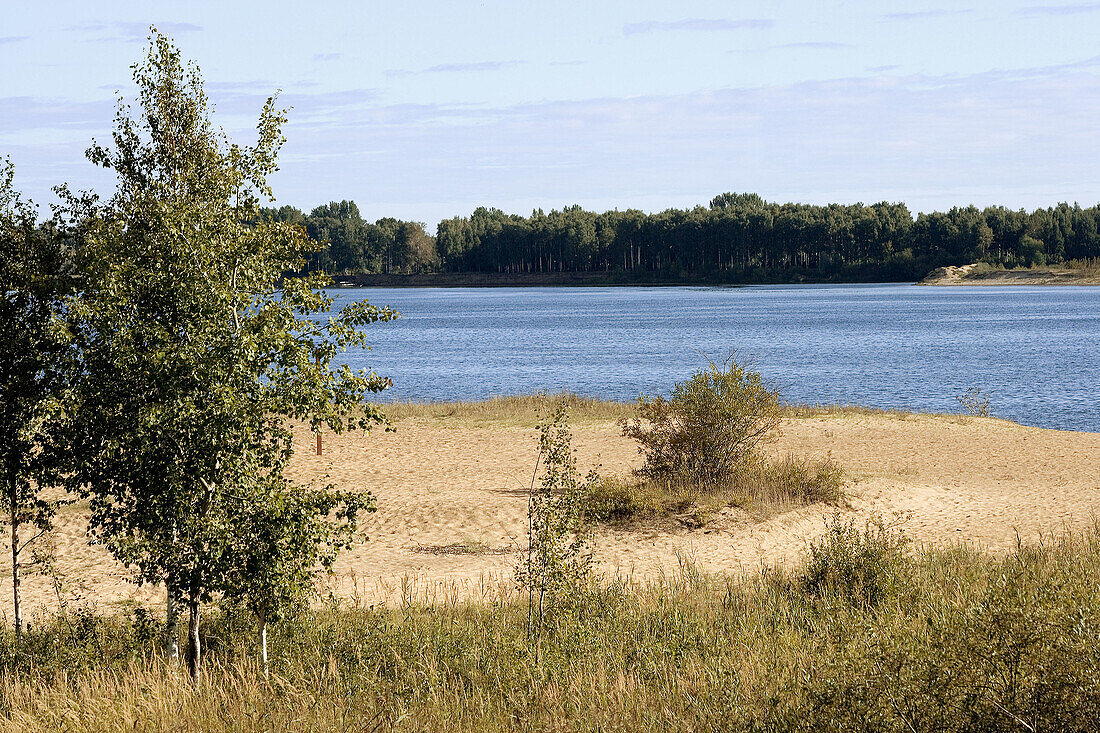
(523, 410)
(872, 634)
(761, 488)
(737, 238)
(702, 451)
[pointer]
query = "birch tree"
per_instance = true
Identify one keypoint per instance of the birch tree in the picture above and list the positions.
(33, 350)
(285, 538)
(198, 354)
(558, 563)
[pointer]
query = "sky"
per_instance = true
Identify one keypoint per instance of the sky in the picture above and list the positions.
(427, 110)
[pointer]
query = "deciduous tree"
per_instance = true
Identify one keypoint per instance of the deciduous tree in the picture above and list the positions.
(33, 368)
(198, 354)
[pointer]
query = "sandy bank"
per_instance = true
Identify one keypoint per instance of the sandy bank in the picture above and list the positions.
(451, 497)
(976, 274)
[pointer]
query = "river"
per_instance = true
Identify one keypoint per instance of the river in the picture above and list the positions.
(1034, 350)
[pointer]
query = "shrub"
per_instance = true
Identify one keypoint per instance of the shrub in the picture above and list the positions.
(975, 401)
(708, 429)
(856, 566)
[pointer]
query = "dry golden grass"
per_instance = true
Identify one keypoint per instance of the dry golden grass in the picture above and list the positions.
(872, 635)
(523, 410)
(520, 410)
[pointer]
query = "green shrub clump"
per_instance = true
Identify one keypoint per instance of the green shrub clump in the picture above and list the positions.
(708, 429)
(857, 566)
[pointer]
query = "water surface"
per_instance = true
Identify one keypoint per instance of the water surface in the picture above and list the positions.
(1036, 349)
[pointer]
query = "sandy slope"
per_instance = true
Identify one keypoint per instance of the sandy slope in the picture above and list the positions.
(446, 489)
(974, 275)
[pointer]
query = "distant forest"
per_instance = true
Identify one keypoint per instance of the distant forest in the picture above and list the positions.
(738, 238)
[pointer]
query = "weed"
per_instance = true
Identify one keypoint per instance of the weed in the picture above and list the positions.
(974, 401)
(955, 640)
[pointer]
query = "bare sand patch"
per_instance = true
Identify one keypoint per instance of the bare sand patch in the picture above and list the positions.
(982, 274)
(452, 498)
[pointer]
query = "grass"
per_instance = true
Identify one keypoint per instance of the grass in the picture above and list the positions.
(946, 640)
(1090, 265)
(468, 547)
(763, 489)
(522, 410)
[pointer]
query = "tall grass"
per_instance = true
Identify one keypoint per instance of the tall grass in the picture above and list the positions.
(951, 640)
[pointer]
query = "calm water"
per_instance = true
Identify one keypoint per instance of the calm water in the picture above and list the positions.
(1037, 350)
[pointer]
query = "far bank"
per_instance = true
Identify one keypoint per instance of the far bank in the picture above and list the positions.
(980, 273)
(581, 279)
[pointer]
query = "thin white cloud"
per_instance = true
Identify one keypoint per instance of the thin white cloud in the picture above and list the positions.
(925, 14)
(885, 67)
(257, 85)
(456, 68)
(12, 39)
(1060, 9)
(822, 45)
(327, 56)
(697, 24)
(932, 141)
(129, 32)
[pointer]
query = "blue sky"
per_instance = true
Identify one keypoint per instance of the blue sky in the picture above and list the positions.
(425, 110)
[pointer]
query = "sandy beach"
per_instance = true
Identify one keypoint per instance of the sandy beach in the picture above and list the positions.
(452, 497)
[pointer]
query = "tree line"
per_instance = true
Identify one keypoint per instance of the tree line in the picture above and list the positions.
(736, 237)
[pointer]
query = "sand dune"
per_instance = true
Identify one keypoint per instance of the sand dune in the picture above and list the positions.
(451, 502)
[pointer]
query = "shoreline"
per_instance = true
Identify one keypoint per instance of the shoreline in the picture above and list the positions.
(576, 279)
(940, 277)
(979, 274)
(522, 410)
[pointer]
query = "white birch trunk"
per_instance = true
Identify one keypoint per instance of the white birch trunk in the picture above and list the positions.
(16, 577)
(172, 628)
(194, 647)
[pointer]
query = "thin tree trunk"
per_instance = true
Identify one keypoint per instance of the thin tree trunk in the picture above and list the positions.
(15, 567)
(263, 645)
(194, 648)
(172, 628)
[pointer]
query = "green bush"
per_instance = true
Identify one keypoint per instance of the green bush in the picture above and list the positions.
(853, 565)
(708, 429)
